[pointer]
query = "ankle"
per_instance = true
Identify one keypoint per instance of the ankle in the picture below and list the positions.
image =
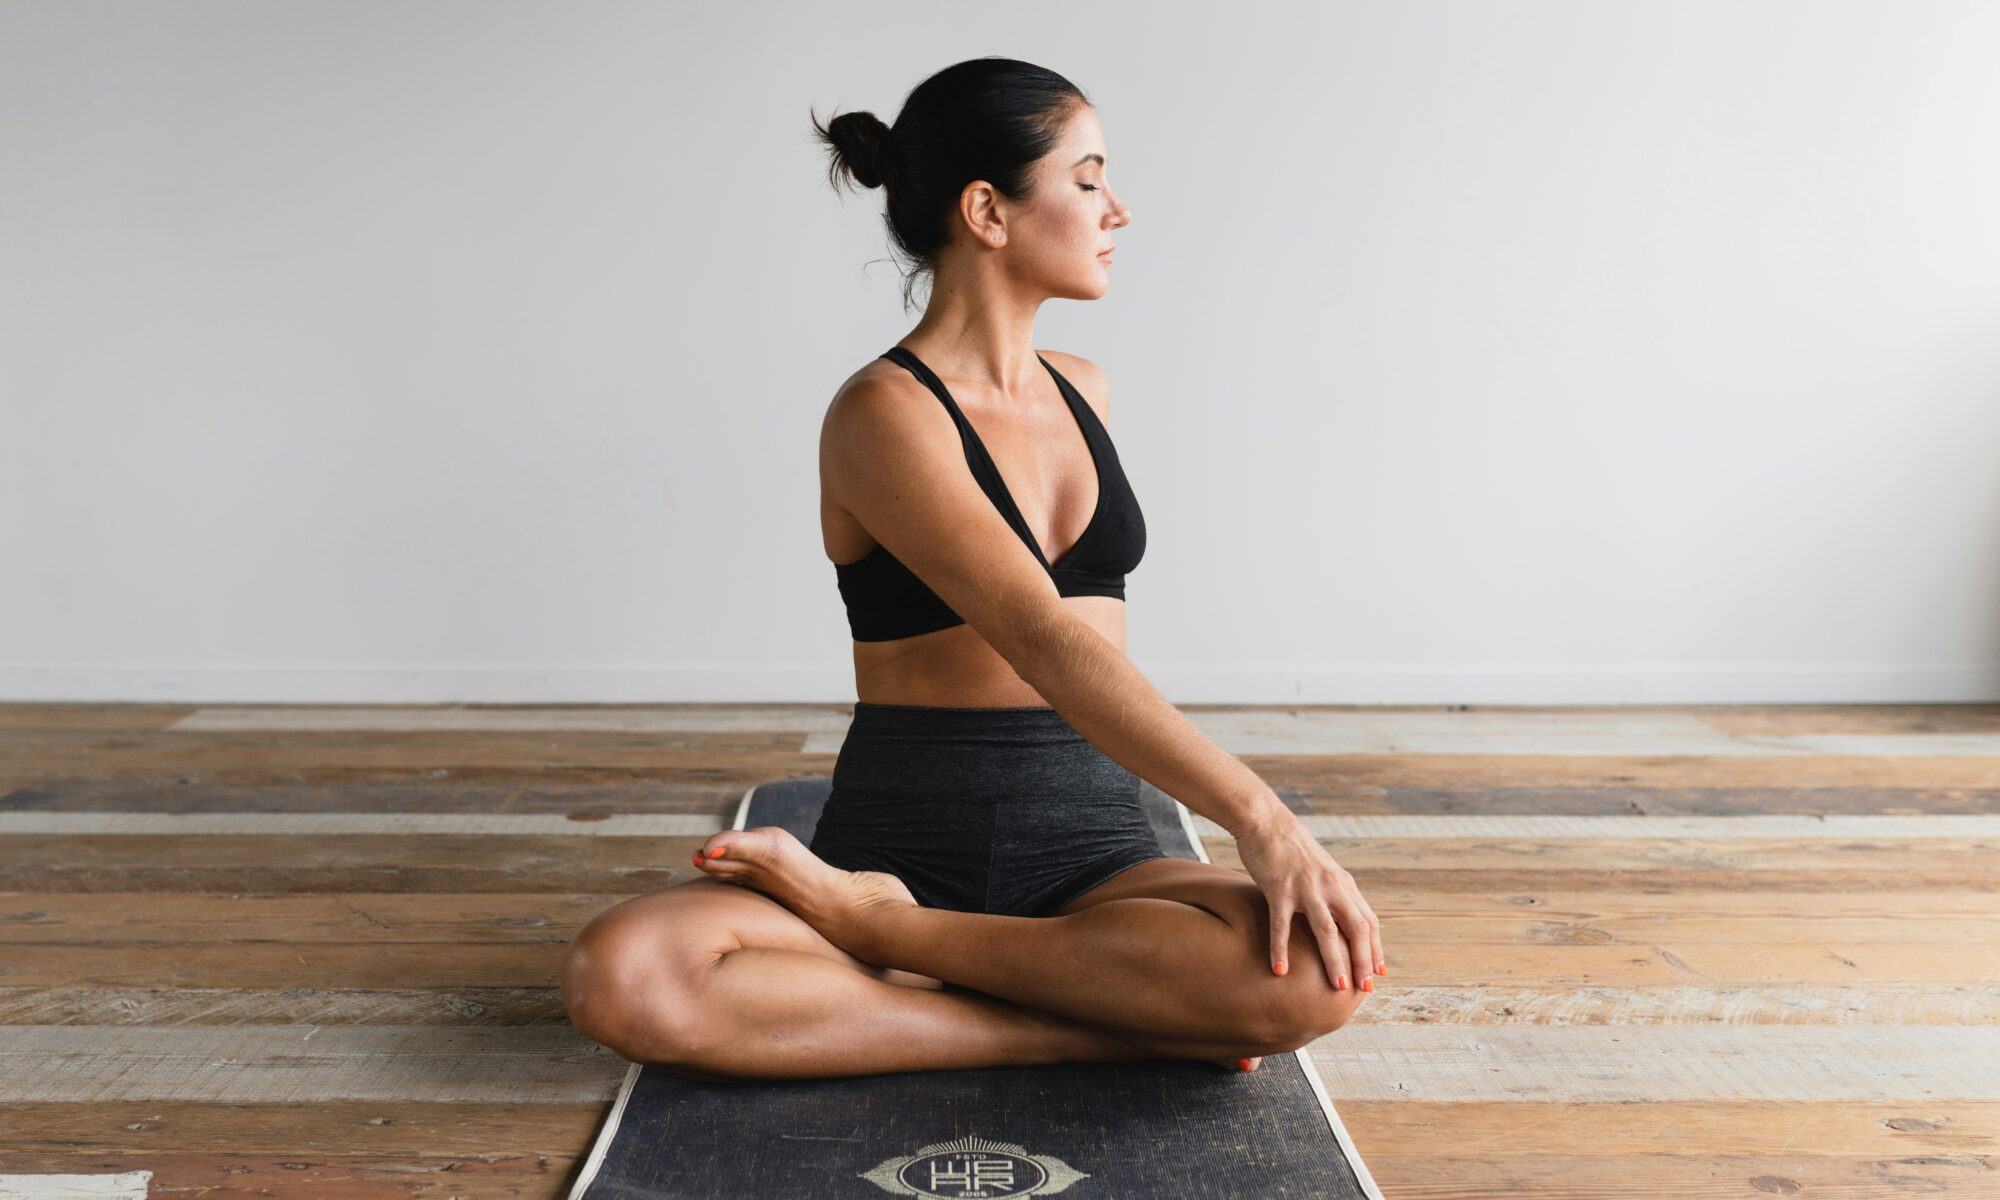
(867, 931)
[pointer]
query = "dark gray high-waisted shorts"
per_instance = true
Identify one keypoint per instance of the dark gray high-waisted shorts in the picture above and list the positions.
(991, 810)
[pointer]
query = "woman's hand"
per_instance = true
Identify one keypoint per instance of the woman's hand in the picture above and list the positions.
(1297, 875)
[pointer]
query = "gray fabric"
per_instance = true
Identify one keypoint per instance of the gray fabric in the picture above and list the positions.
(990, 810)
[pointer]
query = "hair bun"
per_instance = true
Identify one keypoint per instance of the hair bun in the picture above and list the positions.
(864, 146)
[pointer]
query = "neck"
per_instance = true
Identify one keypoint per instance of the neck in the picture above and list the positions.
(984, 333)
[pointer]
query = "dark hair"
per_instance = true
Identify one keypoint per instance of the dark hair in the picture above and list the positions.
(985, 118)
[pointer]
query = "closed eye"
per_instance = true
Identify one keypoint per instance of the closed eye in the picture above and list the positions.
(1087, 187)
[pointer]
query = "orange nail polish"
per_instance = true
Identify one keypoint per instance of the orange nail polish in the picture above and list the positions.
(718, 852)
(1381, 968)
(1279, 968)
(1340, 984)
(1367, 985)
(1242, 1064)
(697, 858)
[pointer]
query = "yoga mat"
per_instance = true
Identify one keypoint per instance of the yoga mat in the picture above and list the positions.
(1163, 1130)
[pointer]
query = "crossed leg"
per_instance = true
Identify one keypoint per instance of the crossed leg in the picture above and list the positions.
(814, 980)
(714, 981)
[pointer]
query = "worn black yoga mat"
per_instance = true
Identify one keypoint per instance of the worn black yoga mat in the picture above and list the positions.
(1166, 1130)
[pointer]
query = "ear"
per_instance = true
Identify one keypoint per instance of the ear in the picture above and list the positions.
(980, 206)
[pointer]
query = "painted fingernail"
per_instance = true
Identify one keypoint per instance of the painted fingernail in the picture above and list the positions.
(1381, 968)
(1340, 984)
(718, 852)
(1279, 968)
(1367, 985)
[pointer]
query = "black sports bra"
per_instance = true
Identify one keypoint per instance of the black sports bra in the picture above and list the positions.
(885, 599)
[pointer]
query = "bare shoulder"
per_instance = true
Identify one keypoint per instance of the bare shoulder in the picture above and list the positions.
(1086, 377)
(893, 471)
(880, 405)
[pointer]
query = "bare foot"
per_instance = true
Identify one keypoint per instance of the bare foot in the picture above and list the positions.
(771, 860)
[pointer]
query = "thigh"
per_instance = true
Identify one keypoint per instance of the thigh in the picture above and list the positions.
(697, 922)
(1228, 895)
(1223, 892)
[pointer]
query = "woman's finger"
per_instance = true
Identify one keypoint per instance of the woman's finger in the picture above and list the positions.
(1355, 926)
(1332, 950)
(1281, 933)
(1375, 938)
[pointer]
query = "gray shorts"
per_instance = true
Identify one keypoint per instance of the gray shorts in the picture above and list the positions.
(991, 810)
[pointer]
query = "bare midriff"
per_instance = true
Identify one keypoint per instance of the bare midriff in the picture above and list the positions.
(956, 668)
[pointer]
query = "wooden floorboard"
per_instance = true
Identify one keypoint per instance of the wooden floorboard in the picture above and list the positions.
(1576, 1008)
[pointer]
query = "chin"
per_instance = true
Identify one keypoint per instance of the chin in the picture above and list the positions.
(1087, 289)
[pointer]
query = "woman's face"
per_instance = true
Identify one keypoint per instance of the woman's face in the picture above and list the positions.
(1058, 240)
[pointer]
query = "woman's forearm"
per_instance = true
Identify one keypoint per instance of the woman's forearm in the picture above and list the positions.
(1103, 696)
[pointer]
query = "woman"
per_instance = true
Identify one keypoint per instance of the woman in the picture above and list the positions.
(983, 887)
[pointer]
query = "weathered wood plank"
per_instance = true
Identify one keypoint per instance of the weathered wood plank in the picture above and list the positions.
(1388, 1127)
(496, 1175)
(1334, 798)
(585, 801)
(1881, 1063)
(39, 757)
(258, 1064)
(1536, 771)
(114, 716)
(28, 854)
(1421, 964)
(457, 1005)
(1405, 1003)
(1676, 1177)
(1607, 918)
(347, 1127)
(1775, 1004)
(790, 719)
(1769, 828)
(1760, 720)
(1506, 1129)
(539, 1065)
(1331, 797)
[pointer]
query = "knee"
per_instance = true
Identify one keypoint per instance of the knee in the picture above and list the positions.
(1302, 1005)
(624, 987)
(1295, 1015)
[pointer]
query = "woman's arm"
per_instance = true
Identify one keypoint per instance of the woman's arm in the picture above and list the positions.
(892, 457)
(1096, 688)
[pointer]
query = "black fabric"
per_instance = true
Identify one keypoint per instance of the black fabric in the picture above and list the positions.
(994, 810)
(886, 600)
(1167, 1130)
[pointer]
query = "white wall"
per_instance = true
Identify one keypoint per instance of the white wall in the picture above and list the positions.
(1525, 352)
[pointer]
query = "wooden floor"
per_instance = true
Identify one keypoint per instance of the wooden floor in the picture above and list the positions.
(1662, 952)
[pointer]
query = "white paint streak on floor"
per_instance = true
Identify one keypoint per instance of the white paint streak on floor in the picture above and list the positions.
(1863, 827)
(555, 1064)
(125, 1185)
(587, 719)
(255, 1064)
(1632, 1063)
(1792, 1004)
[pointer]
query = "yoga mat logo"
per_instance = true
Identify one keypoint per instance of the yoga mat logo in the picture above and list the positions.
(973, 1168)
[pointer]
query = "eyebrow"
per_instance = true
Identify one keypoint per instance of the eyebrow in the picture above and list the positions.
(1086, 158)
